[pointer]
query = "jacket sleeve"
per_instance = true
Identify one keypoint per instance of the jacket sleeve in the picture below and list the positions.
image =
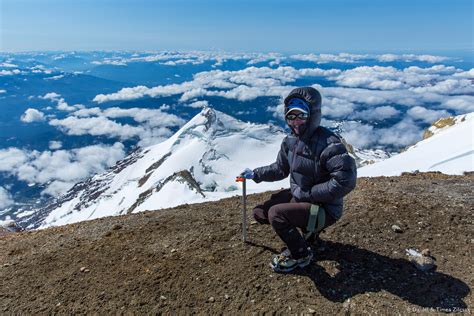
(343, 172)
(278, 170)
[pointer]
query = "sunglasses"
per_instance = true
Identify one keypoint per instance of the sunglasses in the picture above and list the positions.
(299, 116)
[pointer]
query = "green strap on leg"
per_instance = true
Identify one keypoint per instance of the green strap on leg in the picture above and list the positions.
(317, 219)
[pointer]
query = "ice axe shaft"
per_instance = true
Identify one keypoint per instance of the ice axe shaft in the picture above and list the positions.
(244, 207)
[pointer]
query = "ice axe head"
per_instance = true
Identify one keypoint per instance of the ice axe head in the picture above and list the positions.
(239, 179)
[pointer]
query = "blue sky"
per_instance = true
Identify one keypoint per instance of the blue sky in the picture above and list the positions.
(280, 26)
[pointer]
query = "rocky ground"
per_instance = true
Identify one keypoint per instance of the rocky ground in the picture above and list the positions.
(190, 259)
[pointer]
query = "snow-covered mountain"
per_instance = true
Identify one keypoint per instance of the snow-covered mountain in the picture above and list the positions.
(448, 147)
(199, 163)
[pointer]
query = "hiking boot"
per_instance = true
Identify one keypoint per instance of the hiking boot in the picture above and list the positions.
(284, 262)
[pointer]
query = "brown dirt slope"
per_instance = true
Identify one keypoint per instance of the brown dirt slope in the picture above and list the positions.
(190, 259)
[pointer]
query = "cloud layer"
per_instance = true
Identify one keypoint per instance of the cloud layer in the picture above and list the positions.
(59, 170)
(5, 198)
(366, 94)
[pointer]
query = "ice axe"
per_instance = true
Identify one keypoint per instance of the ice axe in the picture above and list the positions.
(244, 207)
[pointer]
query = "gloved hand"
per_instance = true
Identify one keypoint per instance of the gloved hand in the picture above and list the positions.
(247, 174)
(301, 196)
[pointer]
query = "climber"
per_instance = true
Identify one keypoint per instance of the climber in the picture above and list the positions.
(321, 174)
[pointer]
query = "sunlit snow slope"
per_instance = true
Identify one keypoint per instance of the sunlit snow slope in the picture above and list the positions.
(449, 149)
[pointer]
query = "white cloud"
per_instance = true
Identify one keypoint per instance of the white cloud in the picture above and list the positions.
(4, 72)
(465, 74)
(59, 169)
(53, 96)
(154, 124)
(32, 115)
(86, 112)
(337, 108)
(243, 84)
(404, 133)
(387, 85)
(436, 69)
(367, 92)
(11, 159)
(123, 94)
(54, 77)
(96, 126)
(8, 65)
(462, 104)
(192, 57)
(358, 134)
(199, 104)
(426, 115)
(273, 59)
(109, 62)
(5, 198)
(448, 86)
(385, 78)
(353, 58)
(153, 118)
(183, 62)
(54, 144)
(411, 58)
(327, 58)
(61, 104)
(377, 113)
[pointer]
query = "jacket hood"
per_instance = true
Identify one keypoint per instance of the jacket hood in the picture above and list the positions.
(313, 98)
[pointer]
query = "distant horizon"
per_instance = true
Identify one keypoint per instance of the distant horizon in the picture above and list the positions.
(447, 53)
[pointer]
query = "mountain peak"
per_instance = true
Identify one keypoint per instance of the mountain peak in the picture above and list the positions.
(211, 122)
(198, 163)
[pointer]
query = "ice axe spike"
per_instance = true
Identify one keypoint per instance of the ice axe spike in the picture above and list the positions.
(244, 207)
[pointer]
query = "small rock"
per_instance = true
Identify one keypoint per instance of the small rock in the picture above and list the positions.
(116, 227)
(211, 299)
(226, 297)
(59, 304)
(173, 250)
(82, 269)
(311, 311)
(163, 298)
(426, 252)
(422, 262)
(252, 301)
(397, 229)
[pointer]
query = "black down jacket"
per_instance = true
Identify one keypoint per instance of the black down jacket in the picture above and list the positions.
(321, 171)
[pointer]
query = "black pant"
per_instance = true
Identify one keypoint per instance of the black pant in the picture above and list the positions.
(285, 215)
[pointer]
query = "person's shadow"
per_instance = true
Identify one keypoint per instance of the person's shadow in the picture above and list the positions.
(361, 271)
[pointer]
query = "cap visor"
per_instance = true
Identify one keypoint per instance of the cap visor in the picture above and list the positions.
(296, 109)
